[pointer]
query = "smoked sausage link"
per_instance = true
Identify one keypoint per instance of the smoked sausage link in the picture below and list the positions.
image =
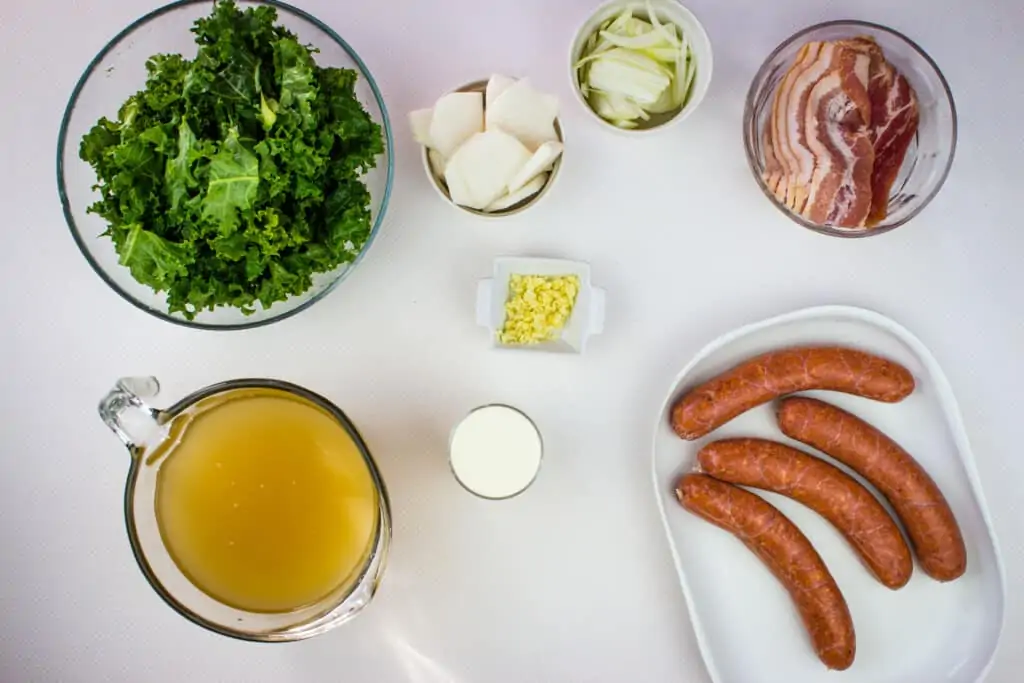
(788, 371)
(913, 494)
(822, 487)
(786, 552)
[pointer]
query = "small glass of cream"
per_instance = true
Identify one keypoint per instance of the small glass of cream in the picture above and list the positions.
(495, 452)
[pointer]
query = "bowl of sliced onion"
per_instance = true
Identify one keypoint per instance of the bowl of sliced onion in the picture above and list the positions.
(640, 66)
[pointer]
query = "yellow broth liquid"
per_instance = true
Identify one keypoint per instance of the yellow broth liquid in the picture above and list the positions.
(264, 500)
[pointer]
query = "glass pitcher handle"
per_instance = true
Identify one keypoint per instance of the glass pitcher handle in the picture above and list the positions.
(127, 415)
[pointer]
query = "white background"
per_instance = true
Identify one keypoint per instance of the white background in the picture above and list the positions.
(571, 582)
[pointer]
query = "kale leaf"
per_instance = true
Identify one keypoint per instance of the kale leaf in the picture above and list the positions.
(235, 177)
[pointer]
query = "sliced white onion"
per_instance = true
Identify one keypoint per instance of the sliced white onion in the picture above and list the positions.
(633, 66)
(630, 74)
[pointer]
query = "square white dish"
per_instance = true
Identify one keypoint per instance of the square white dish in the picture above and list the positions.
(586, 319)
(746, 626)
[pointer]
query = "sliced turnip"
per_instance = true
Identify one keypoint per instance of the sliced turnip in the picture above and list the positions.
(481, 168)
(512, 198)
(542, 160)
(419, 121)
(457, 117)
(525, 113)
(495, 86)
(437, 162)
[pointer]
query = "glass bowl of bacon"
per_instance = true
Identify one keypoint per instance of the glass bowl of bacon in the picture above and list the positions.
(850, 128)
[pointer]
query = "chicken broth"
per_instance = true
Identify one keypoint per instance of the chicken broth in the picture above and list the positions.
(264, 500)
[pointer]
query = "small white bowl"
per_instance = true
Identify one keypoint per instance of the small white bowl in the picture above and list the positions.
(668, 11)
(586, 319)
(437, 181)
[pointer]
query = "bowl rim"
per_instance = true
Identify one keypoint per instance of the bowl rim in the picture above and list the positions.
(62, 140)
(480, 85)
(684, 112)
(748, 121)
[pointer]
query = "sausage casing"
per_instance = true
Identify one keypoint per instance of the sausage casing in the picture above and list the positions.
(787, 371)
(787, 553)
(822, 487)
(913, 494)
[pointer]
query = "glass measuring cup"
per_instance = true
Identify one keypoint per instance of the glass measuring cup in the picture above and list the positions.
(144, 431)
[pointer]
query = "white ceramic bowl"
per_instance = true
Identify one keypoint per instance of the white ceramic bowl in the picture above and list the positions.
(437, 181)
(670, 12)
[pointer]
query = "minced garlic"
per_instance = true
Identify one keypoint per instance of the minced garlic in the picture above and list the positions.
(538, 307)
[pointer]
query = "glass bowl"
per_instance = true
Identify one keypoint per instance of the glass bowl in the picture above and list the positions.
(930, 154)
(118, 71)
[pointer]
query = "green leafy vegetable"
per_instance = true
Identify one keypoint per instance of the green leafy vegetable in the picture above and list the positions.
(233, 178)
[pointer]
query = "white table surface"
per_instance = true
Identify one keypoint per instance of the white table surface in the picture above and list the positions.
(571, 582)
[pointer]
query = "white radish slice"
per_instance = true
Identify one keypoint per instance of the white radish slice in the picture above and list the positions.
(512, 198)
(419, 122)
(437, 162)
(457, 117)
(480, 170)
(495, 86)
(525, 113)
(542, 160)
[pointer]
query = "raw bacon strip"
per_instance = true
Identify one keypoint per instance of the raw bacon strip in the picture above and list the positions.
(772, 168)
(797, 135)
(786, 101)
(893, 128)
(840, 125)
(894, 119)
(837, 133)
